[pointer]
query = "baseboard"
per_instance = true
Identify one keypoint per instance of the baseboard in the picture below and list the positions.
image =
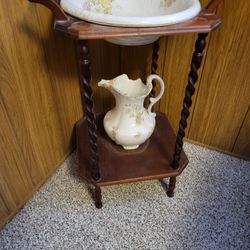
(217, 149)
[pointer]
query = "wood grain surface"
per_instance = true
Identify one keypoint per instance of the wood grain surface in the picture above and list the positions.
(202, 23)
(224, 93)
(40, 98)
(130, 165)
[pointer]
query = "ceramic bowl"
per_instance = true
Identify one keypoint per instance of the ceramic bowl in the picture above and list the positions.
(133, 13)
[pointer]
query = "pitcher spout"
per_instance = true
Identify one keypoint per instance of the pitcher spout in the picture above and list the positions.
(109, 85)
(105, 84)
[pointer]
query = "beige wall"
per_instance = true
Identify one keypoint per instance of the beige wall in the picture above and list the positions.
(40, 100)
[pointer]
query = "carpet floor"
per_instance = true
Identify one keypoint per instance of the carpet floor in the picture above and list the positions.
(209, 211)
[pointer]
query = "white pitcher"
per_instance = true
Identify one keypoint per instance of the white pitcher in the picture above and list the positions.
(129, 124)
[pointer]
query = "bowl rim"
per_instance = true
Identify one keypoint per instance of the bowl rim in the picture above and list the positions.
(128, 21)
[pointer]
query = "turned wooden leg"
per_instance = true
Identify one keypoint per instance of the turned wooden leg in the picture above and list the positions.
(171, 187)
(154, 66)
(98, 197)
(190, 89)
(87, 93)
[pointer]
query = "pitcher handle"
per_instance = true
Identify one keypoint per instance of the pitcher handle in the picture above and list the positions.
(154, 100)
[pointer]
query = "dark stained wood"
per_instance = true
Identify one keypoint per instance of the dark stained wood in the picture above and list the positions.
(98, 197)
(87, 94)
(190, 90)
(152, 160)
(54, 7)
(203, 23)
(211, 7)
(154, 64)
(171, 188)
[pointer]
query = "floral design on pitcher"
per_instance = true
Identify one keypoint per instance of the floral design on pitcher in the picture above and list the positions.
(100, 6)
(129, 123)
(137, 135)
(135, 112)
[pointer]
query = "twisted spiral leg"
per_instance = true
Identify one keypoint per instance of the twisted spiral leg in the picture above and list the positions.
(190, 89)
(98, 197)
(154, 66)
(171, 187)
(86, 94)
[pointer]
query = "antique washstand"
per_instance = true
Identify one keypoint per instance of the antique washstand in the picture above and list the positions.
(101, 162)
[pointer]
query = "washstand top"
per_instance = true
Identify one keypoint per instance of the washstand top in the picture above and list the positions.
(203, 22)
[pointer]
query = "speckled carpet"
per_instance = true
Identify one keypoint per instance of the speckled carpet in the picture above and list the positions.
(210, 211)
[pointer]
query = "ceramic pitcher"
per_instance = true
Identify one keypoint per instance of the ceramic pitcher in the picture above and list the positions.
(129, 124)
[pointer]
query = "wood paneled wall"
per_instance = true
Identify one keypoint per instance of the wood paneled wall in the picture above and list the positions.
(40, 100)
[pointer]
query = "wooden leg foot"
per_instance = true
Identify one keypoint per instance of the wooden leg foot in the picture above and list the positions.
(98, 197)
(172, 183)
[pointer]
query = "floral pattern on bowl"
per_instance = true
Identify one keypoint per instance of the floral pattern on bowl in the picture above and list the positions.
(106, 6)
(99, 6)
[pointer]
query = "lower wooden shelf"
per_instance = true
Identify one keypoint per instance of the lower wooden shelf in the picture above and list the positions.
(152, 160)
